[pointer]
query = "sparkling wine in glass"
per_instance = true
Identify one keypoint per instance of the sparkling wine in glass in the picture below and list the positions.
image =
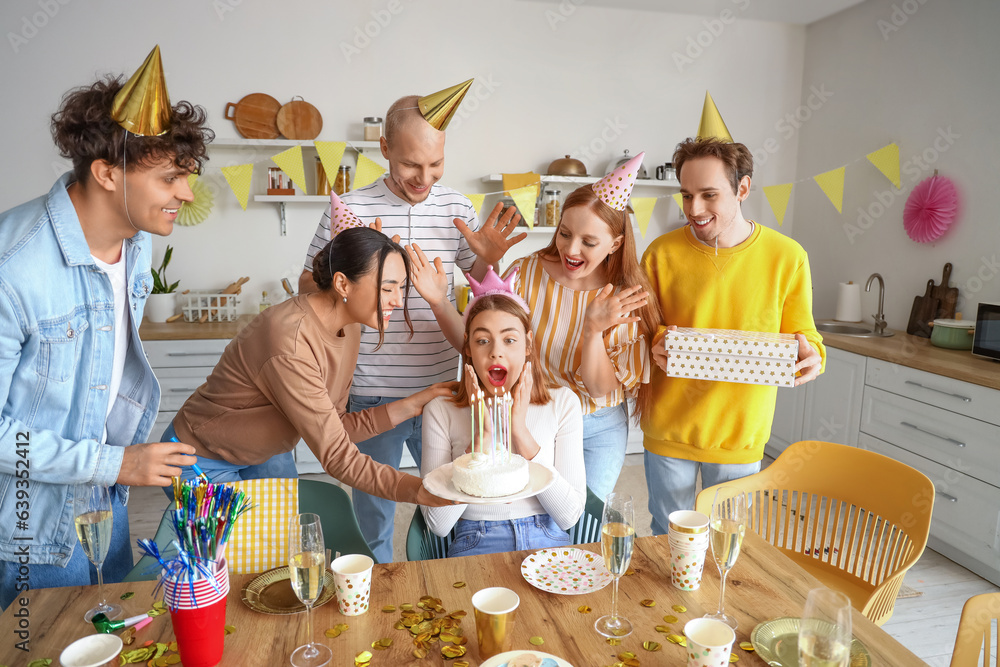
(825, 632)
(617, 538)
(727, 526)
(93, 521)
(306, 566)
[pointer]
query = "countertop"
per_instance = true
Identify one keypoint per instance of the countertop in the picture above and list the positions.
(181, 330)
(917, 352)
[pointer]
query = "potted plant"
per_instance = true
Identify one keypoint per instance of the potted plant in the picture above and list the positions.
(161, 302)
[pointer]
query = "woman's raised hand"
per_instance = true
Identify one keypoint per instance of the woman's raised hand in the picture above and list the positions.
(428, 278)
(377, 226)
(413, 406)
(522, 397)
(609, 309)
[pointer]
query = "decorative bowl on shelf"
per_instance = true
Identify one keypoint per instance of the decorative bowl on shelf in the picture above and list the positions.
(567, 166)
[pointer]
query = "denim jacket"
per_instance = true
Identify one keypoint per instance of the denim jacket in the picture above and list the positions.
(56, 351)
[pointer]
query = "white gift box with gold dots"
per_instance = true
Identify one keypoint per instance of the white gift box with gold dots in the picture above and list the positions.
(726, 355)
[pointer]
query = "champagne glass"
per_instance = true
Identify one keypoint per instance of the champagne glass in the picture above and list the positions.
(617, 536)
(727, 525)
(93, 521)
(307, 565)
(825, 632)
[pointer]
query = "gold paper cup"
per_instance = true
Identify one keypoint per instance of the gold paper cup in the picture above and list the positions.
(688, 522)
(495, 609)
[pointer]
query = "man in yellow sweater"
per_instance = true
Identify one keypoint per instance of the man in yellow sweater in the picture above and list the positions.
(720, 271)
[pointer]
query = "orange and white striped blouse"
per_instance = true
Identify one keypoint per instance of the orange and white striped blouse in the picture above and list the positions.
(557, 317)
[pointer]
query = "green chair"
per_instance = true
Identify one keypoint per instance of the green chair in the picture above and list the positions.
(333, 505)
(422, 544)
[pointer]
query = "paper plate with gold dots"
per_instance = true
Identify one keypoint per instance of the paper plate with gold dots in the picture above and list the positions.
(565, 571)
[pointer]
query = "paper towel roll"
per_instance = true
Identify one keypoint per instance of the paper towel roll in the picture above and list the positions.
(849, 302)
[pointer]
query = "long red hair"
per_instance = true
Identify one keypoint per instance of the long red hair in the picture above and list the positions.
(623, 270)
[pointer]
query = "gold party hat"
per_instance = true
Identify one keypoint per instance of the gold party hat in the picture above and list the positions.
(438, 108)
(142, 106)
(712, 125)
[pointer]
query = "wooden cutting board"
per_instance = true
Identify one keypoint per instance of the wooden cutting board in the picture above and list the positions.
(924, 311)
(947, 296)
(299, 120)
(255, 116)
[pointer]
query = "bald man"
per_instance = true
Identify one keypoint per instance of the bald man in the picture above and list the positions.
(443, 223)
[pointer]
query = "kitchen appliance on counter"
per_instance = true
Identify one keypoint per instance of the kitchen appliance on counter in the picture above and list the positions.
(986, 341)
(952, 334)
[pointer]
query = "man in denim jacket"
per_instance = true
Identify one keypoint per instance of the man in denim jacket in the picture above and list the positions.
(77, 394)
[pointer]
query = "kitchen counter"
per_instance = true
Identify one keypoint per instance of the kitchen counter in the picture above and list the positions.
(181, 330)
(917, 352)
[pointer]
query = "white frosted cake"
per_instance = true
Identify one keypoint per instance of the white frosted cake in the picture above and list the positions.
(477, 475)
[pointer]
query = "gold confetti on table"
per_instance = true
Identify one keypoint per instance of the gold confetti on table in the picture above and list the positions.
(449, 652)
(679, 608)
(362, 658)
(747, 646)
(388, 609)
(584, 609)
(128, 595)
(664, 629)
(461, 663)
(628, 659)
(733, 657)
(648, 603)
(651, 646)
(670, 618)
(458, 584)
(680, 640)
(230, 629)
(420, 653)
(536, 641)
(332, 633)
(381, 644)
(613, 641)
(41, 662)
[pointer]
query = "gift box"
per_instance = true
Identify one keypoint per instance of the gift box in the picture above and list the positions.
(725, 355)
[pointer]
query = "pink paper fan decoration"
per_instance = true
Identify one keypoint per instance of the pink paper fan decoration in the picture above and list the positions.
(930, 209)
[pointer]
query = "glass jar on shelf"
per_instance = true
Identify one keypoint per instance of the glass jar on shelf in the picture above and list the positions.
(373, 128)
(551, 207)
(343, 183)
(322, 183)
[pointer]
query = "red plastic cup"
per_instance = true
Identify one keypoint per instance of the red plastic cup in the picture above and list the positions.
(198, 614)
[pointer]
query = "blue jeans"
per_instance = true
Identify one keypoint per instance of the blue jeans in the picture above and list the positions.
(377, 515)
(605, 434)
(490, 537)
(671, 483)
(79, 571)
(219, 471)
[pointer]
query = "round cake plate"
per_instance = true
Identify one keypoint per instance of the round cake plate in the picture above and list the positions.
(439, 483)
(565, 571)
(501, 659)
(271, 592)
(777, 643)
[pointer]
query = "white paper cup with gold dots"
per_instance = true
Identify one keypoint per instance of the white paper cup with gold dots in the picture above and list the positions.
(709, 642)
(352, 575)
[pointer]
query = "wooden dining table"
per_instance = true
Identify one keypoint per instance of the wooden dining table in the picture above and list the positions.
(763, 584)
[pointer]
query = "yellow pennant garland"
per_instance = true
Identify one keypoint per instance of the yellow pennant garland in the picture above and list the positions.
(680, 201)
(368, 172)
(643, 207)
(777, 197)
(832, 184)
(477, 203)
(886, 160)
(290, 162)
(525, 199)
(239, 178)
(330, 155)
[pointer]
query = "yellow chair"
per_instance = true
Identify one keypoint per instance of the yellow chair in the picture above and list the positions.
(974, 631)
(854, 519)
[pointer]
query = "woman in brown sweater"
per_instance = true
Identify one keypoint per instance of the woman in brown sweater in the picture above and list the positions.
(287, 375)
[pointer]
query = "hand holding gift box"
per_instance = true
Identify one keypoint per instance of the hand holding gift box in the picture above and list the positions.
(725, 355)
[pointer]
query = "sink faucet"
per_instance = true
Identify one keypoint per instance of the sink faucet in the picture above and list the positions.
(879, 329)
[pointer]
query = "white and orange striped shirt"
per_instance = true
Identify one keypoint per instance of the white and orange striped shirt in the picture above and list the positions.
(557, 317)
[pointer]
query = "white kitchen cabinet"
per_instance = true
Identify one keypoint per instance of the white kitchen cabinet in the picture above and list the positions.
(786, 427)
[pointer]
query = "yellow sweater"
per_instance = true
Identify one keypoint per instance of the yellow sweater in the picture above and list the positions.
(763, 284)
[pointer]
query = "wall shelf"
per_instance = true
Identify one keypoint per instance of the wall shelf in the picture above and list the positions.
(230, 142)
(671, 184)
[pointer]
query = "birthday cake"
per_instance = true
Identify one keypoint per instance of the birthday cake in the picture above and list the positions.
(487, 476)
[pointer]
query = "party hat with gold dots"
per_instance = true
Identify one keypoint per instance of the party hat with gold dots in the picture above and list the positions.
(142, 106)
(438, 108)
(341, 217)
(712, 125)
(615, 188)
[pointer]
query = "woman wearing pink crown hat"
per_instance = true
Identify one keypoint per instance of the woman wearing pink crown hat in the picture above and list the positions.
(590, 313)
(287, 375)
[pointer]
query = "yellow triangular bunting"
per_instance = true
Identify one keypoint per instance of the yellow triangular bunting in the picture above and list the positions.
(512, 182)
(477, 202)
(525, 199)
(330, 155)
(679, 198)
(777, 197)
(368, 172)
(239, 177)
(643, 208)
(832, 183)
(290, 162)
(886, 160)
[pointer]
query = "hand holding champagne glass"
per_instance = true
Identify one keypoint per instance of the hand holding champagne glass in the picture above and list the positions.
(306, 566)
(825, 632)
(727, 527)
(617, 537)
(93, 521)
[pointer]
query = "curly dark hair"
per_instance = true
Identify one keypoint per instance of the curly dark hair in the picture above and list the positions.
(84, 131)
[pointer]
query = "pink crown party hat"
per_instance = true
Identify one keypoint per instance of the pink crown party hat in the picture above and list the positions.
(341, 217)
(493, 284)
(615, 188)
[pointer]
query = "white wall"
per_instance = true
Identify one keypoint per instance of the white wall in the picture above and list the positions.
(913, 72)
(550, 80)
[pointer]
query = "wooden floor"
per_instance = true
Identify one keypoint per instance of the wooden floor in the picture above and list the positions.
(926, 625)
